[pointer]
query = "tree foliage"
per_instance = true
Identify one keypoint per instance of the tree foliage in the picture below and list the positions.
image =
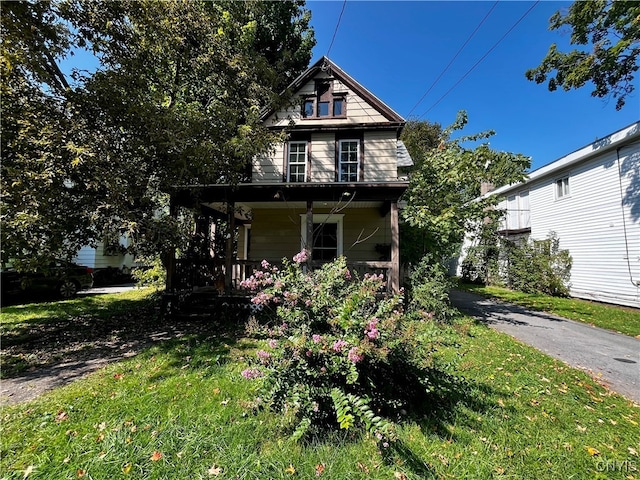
(612, 29)
(443, 187)
(176, 100)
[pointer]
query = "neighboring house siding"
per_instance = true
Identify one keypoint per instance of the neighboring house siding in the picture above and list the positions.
(591, 200)
(95, 258)
(589, 224)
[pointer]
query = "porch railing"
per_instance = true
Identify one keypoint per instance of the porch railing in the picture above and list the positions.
(191, 273)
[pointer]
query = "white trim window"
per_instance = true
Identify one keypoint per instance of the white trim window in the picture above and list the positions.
(562, 187)
(297, 162)
(327, 235)
(349, 161)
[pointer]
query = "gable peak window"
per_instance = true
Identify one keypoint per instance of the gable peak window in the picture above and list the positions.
(325, 103)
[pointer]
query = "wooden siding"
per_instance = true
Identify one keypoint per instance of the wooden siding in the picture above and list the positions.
(380, 159)
(323, 157)
(275, 233)
(381, 156)
(270, 168)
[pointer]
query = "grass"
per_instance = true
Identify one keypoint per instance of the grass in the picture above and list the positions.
(624, 320)
(181, 409)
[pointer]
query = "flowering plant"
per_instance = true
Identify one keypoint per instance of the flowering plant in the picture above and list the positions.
(330, 338)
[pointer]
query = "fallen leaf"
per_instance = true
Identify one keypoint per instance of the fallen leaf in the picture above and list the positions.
(61, 416)
(28, 471)
(216, 391)
(593, 451)
(126, 469)
(100, 437)
(102, 426)
(80, 473)
(581, 429)
(399, 476)
(156, 456)
(102, 454)
(119, 376)
(214, 471)
(363, 467)
(632, 451)
(290, 469)
(319, 469)
(66, 460)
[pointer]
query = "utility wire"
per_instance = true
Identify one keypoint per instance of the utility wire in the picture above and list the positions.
(481, 59)
(344, 4)
(453, 59)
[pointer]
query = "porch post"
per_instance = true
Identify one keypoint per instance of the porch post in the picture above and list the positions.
(309, 245)
(228, 260)
(170, 255)
(394, 275)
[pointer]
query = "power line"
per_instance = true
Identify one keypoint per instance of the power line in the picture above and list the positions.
(453, 59)
(481, 59)
(344, 4)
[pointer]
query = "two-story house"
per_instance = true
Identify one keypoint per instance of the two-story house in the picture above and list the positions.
(331, 188)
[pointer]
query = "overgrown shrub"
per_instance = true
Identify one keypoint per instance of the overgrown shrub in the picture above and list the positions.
(429, 291)
(527, 265)
(153, 274)
(538, 266)
(338, 352)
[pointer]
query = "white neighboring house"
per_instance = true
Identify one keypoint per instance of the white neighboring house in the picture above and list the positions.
(591, 199)
(102, 257)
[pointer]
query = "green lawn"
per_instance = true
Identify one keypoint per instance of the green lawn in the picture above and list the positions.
(619, 319)
(181, 409)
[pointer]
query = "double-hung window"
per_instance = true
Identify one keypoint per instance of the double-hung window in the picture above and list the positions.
(562, 187)
(297, 165)
(348, 160)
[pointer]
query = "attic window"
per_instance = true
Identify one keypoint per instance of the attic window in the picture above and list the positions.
(324, 103)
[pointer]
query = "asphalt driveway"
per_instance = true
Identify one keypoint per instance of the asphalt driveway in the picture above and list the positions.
(611, 357)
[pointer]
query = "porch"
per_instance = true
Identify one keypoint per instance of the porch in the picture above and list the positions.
(239, 226)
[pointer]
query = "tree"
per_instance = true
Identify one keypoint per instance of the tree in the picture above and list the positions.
(176, 100)
(612, 29)
(444, 186)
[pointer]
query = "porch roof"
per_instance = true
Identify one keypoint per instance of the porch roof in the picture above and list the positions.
(189, 196)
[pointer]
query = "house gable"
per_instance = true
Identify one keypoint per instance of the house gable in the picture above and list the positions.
(332, 98)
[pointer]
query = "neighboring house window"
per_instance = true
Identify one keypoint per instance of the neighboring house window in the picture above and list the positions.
(348, 160)
(297, 168)
(327, 235)
(324, 103)
(517, 214)
(562, 187)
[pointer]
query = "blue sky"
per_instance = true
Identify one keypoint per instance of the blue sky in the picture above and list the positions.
(398, 49)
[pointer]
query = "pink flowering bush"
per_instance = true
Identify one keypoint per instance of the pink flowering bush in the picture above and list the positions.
(334, 349)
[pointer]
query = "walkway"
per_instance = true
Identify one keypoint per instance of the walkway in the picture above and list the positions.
(611, 357)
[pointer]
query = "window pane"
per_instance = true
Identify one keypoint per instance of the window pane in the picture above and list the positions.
(323, 109)
(308, 109)
(325, 241)
(337, 107)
